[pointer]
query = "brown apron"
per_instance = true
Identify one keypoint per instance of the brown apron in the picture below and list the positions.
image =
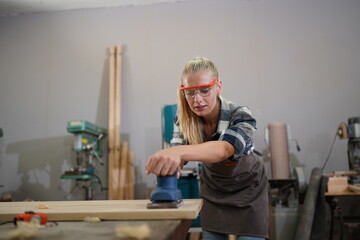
(235, 197)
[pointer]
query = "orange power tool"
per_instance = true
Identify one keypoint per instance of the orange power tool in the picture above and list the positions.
(29, 216)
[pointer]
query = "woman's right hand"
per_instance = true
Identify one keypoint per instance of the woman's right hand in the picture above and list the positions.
(165, 162)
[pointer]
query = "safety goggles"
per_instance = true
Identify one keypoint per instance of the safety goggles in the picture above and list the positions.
(203, 90)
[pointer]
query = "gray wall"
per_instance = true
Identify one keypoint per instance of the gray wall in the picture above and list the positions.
(292, 61)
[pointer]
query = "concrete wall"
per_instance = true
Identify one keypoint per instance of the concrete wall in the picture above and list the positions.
(292, 61)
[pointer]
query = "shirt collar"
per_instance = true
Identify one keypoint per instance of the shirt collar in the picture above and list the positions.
(224, 118)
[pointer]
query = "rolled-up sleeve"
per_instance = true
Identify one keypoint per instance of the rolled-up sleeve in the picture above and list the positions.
(240, 131)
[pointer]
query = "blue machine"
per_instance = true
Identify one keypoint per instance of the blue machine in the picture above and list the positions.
(167, 122)
(166, 193)
(166, 189)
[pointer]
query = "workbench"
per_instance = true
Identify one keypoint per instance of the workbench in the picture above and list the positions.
(345, 208)
(105, 230)
(164, 223)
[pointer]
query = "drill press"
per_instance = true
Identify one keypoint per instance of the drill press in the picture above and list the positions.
(351, 130)
(87, 145)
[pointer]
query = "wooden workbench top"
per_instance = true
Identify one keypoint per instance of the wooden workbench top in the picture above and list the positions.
(104, 209)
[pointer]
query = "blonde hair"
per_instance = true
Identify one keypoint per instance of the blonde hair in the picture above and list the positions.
(190, 124)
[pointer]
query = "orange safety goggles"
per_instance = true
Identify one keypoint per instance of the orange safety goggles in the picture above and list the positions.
(182, 88)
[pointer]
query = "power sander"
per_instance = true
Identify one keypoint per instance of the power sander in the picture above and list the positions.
(166, 194)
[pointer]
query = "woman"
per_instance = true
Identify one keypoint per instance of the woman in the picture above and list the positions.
(218, 133)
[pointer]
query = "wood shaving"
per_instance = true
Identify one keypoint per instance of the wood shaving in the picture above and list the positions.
(134, 232)
(92, 219)
(25, 230)
(42, 206)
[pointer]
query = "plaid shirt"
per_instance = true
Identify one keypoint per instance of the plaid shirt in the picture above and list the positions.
(236, 126)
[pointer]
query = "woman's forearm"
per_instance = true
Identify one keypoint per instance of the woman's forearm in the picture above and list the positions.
(167, 161)
(208, 152)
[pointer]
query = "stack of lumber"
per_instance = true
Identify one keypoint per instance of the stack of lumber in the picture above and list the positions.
(121, 171)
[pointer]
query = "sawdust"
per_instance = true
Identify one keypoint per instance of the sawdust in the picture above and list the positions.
(42, 206)
(133, 232)
(25, 230)
(92, 219)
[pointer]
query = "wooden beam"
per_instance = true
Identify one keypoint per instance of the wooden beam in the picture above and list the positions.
(130, 176)
(104, 209)
(123, 167)
(112, 169)
(117, 108)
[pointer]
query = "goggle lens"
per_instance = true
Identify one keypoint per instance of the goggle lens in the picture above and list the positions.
(203, 92)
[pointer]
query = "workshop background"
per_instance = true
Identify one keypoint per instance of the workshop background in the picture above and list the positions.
(291, 61)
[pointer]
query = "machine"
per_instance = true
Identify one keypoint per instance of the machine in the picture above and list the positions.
(30, 216)
(87, 145)
(351, 130)
(166, 193)
(287, 182)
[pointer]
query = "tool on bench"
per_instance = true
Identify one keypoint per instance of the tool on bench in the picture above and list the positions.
(87, 145)
(30, 216)
(351, 130)
(166, 193)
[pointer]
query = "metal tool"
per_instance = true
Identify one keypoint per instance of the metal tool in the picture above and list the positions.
(351, 130)
(166, 193)
(30, 216)
(87, 145)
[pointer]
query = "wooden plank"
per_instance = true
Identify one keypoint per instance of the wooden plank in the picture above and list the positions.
(118, 74)
(112, 169)
(104, 209)
(117, 109)
(346, 173)
(342, 194)
(130, 176)
(337, 184)
(123, 173)
(354, 188)
(340, 173)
